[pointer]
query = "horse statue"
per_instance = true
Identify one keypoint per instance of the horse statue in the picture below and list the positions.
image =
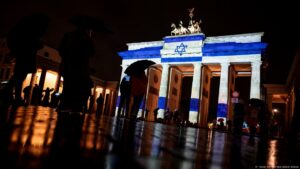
(182, 29)
(197, 27)
(175, 30)
(194, 27)
(191, 27)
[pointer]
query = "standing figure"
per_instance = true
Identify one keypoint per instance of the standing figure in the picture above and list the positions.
(125, 96)
(45, 101)
(26, 92)
(24, 40)
(138, 90)
(54, 99)
(100, 101)
(238, 119)
(36, 95)
(252, 117)
(76, 49)
(155, 111)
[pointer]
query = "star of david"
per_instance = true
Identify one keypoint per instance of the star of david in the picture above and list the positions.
(180, 49)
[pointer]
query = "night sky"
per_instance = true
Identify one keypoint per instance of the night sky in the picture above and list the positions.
(149, 20)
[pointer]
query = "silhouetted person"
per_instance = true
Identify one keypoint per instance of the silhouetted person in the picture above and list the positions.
(146, 114)
(257, 114)
(100, 101)
(26, 92)
(45, 101)
(229, 125)
(54, 99)
(175, 116)
(138, 90)
(125, 96)
(24, 40)
(238, 119)
(167, 116)
(36, 95)
(76, 49)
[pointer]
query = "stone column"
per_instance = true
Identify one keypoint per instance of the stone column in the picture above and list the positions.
(255, 80)
(42, 79)
(57, 83)
(223, 93)
(163, 90)
(32, 83)
(195, 94)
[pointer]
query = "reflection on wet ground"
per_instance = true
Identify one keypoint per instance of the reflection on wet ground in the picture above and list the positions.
(39, 138)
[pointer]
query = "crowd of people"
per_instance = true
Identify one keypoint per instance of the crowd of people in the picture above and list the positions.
(252, 118)
(40, 96)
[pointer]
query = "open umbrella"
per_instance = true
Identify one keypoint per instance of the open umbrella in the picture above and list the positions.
(138, 67)
(90, 22)
(220, 120)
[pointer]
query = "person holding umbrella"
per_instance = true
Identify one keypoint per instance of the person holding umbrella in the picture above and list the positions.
(138, 83)
(76, 49)
(138, 91)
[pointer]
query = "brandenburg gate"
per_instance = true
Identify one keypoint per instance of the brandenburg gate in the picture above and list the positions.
(202, 58)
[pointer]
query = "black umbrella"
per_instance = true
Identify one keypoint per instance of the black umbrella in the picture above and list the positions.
(138, 67)
(90, 22)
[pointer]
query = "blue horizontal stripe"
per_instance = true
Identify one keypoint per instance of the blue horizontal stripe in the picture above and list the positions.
(181, 59)
(162, 102)
(143, 53)
(140, 56)
(222, 110)
(194, 104)
(233, 46)
(229, 53)
(183, 38)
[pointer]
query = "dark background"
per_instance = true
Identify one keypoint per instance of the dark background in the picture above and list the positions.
(149, 20)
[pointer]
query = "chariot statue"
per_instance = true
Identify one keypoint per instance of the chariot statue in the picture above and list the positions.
(193, 26)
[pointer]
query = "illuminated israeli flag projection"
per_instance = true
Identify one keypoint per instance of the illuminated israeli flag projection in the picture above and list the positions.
(199, 57)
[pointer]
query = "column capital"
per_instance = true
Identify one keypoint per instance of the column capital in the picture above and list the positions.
(225, 64)
(124, 65)
(256, 63)
(197, 64)
(165, 65)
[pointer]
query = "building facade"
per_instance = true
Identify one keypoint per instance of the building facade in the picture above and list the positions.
(199, 57)
(47, 76)
(283, 99)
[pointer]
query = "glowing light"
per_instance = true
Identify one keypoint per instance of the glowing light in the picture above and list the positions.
(272, 159)
(50, 79)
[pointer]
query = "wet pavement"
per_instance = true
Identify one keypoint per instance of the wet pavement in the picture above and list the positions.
(38, 138)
